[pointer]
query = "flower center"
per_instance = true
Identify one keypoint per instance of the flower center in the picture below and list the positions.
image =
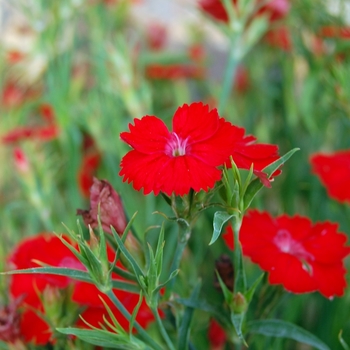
(176, 147)
(284, 241)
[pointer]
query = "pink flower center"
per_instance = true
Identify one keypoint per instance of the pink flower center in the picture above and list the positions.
(286, 244)
(176, 147)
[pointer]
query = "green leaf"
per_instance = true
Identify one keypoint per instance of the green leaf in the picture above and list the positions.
(255, 186)
(185, 326)
(137, 270)
(220, 218)
(342, 341)
(237, 321)
(104, 338)
(74, 274)
(249, 294)
(283, 329)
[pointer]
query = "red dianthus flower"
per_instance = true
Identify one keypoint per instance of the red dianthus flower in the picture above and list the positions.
(300, 256)
(334, 172)
(188, 157)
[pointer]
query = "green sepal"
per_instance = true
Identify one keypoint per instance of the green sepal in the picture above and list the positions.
(220, 218)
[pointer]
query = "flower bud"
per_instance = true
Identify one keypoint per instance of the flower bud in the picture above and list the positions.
(111, 208)
(239, 303)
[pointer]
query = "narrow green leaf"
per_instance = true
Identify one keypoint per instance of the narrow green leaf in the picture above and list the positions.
(103, 338)
(220, 218)
(185, 326)
(237, 321)
(134, 313)
(283, 329)
(227, 293)
(137, 270)
(74, 274)
(249, 294)
(342, 341)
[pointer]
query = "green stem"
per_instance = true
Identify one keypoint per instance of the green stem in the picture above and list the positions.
(240, 279)
(164, 333)
(229, 75)
(143, 334)
(184, 235)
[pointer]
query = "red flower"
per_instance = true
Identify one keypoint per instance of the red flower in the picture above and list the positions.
(280, 38)
(173, 71)
(42, 132)
(50, 250)
(188, 157)
(335, 32)
(300, 256)
(177, 161)
(275, 9)
(216, 335)
(334, 172)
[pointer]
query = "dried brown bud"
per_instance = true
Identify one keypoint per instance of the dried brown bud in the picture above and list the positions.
(111, 208)
(225, 270)
(10, 322)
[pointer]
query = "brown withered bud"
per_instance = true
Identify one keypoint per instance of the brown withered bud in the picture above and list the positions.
(224, 267)
(10, 321)
(111, 208)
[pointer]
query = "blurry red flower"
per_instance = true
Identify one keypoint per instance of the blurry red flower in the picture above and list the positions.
(275, 9)
(50, 250)
(188, 157)
(90, 162)
(216, 336)
(300, 256)
(173, 71)
(41, 132)
(335, 32)
(15, 56)
(279, 38)
(241, 83)
(20, 160)
(334, 172)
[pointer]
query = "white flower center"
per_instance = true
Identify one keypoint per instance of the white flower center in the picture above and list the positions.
(284, 241)
(176, 147)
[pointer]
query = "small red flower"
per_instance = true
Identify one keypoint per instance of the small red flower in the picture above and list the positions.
(335, 32)
(42, 132)
(334, 172)
(300, 256)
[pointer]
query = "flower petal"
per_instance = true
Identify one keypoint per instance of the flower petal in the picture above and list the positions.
(149, 135)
